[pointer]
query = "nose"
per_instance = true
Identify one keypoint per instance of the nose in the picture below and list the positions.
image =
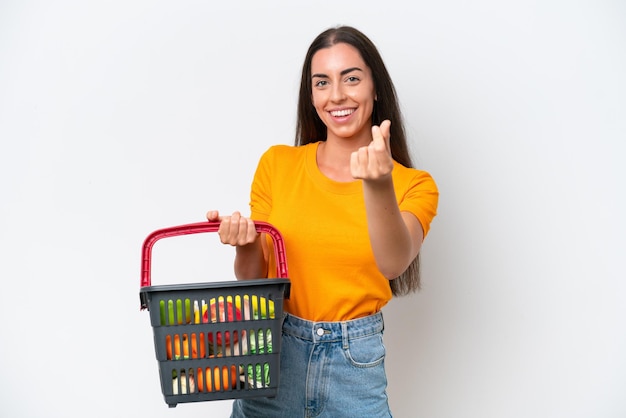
(337, 93)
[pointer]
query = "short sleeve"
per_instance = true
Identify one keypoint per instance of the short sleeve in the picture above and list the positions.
(261, 190)
(421, 197)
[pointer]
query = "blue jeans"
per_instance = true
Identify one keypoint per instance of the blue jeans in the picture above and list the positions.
(327, 370)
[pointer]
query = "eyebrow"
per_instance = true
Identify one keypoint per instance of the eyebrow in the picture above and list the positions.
(343, 72)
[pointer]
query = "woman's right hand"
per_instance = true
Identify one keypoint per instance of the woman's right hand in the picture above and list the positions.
(234, 230)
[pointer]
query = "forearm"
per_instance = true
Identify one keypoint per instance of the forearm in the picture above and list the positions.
(250, 261)
(392, 242)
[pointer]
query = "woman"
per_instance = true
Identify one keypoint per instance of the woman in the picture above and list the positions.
(353, 215)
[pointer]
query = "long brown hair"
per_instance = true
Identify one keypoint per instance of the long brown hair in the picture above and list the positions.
(310, 128)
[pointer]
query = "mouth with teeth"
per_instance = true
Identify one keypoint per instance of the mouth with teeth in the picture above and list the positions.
(341, 113)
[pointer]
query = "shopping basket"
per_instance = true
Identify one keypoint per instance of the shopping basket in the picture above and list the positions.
(218, 340)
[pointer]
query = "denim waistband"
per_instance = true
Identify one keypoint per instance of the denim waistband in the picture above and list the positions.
(333, 331)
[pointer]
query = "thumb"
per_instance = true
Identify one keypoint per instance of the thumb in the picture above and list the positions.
(213, 216)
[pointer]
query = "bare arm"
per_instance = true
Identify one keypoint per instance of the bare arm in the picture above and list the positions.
(240, 232)
(396, 237)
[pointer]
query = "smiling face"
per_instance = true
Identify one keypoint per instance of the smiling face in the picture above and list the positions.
(343, 92)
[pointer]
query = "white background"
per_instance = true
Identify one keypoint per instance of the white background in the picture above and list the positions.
(121, 117)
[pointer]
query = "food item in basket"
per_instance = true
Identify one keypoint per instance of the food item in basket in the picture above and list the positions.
(168, 318)
(177, 346)
(162, 311)
(196, 312)
(259, 305)
(221, 312)
(259, 376)
(183, 316)
(239, 347)
(184, 383)
(197, 350)
(211, 376)
(260, 343)
(197, 346)
(167, 315)
(168, 346)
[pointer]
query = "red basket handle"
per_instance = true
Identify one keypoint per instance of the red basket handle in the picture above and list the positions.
(213, 226)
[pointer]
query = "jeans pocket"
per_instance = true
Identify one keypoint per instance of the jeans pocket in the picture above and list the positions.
(366, 351)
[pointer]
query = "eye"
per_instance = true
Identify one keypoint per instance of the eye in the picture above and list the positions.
(353, 79)
(320, 83)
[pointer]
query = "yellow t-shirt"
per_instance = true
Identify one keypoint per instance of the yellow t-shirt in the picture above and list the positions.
(323, 223)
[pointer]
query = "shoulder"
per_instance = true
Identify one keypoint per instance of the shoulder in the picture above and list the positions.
(286, 150)
(285, 153)
(417, 193)
(411, 177)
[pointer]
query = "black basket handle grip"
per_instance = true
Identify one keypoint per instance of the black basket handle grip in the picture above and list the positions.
(211, 226)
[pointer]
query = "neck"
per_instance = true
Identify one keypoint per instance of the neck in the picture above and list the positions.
(333, 160)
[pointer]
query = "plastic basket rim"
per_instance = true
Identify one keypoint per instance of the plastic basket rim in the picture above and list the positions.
(214, 285)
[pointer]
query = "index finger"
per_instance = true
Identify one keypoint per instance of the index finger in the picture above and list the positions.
(381, 134)
(385, 129)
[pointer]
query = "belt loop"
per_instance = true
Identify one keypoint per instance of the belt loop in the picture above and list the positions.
(344, 335)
